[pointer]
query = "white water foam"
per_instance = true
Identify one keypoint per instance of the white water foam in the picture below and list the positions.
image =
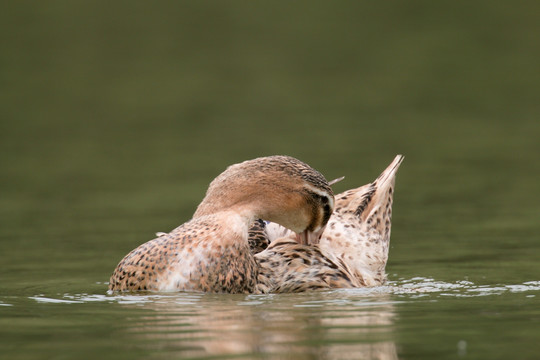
(404, 288)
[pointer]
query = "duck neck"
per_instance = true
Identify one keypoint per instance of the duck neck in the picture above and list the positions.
(251, 203)
(244, 202)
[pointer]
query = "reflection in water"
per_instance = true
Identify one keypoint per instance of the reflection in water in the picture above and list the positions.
(338, 324)
(330, 325)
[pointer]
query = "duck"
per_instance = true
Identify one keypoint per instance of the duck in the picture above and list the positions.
(351, 252)
(211, 252)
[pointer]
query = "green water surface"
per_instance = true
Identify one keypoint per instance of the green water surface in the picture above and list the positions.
(115, 116)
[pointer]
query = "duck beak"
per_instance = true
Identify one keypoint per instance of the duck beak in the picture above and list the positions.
(307, 237)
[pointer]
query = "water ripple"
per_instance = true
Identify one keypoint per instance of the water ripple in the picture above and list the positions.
(416, 287)
(419, 286)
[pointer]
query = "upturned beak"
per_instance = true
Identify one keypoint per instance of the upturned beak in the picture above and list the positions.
(307, 237)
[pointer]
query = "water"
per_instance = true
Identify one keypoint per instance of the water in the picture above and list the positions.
(408, 318)
(114, 122)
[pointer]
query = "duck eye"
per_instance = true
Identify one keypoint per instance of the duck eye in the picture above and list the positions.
(327, 213)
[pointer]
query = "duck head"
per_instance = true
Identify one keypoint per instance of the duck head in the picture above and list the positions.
(280, 189)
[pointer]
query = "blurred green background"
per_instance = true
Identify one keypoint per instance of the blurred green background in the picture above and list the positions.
(116, 115)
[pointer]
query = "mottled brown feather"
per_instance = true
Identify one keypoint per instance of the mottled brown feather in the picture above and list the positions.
(212, 252)
(353, 249)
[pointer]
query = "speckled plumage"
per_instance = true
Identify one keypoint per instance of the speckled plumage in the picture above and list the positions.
(187, 259)
(352, 251)
(211, 252)
(257, 237)
(358, 233)
(286, 266)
